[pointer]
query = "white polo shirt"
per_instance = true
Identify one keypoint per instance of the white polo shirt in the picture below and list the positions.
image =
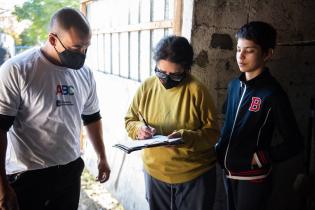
(47, 102)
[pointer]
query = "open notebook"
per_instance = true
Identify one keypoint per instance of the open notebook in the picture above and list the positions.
(158, 140)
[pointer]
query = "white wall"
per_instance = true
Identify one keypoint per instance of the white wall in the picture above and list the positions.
(8, 42)
(126, 182)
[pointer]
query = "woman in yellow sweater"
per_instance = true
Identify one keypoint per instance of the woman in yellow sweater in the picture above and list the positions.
(174, 103)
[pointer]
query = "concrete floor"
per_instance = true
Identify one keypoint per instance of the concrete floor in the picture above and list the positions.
(87, 203)
(94, 196)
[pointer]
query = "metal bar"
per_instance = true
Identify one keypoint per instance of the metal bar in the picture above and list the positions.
(298, 43)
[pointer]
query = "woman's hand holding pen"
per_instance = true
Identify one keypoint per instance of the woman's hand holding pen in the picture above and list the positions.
(146, 132)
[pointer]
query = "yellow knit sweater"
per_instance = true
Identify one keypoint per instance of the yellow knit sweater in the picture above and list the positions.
(186, 108)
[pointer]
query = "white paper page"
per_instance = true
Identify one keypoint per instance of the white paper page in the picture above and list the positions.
(155, 140)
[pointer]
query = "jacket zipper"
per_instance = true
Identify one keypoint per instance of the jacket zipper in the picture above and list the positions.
(238, 107)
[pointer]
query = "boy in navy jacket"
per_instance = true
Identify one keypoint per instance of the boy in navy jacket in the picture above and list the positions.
(256, 105)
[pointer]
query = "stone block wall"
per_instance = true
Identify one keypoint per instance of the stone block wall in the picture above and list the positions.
(215, 23)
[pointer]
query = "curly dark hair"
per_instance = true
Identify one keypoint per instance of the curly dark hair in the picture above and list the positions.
(175, 49)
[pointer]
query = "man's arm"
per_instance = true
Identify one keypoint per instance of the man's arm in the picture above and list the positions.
(3, 146)
(8, 199)
(95, 134)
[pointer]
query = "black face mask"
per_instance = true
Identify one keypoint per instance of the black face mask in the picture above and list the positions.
(169, 80)
(71, 59)
(168, 83)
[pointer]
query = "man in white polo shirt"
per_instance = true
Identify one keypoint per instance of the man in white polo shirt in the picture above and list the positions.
(45, 94)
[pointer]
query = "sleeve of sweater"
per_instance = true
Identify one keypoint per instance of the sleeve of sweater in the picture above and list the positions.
(286, 124)
(132, 121)
(206, 136)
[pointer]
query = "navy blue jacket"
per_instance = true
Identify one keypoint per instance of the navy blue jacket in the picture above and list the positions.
(252, 110)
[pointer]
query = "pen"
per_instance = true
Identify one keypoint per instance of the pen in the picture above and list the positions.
(145, 122)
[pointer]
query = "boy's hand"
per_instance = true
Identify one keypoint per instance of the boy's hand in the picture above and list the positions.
(146, 132)
(253, 161)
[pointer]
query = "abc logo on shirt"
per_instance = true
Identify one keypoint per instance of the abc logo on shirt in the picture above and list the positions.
(64, 90)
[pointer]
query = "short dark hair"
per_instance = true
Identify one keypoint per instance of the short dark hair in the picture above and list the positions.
(67, 18)
(175, 49)
(263, 34)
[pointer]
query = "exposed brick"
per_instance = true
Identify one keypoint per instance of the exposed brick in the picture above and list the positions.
(222, 41)
(202, 59)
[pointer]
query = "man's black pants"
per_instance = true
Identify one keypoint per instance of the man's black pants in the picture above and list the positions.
(53, 188)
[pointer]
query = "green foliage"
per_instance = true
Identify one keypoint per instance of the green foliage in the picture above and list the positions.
(39, 13)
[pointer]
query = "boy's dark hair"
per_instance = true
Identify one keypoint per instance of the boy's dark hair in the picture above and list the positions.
(175, 49)
(263, 34)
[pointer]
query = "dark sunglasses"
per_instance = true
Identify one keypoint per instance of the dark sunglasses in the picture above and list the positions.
(173, 76)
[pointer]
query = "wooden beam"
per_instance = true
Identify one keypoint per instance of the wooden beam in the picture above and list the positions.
(178, 17)
(85, 1)
(136, 27)
(83, 8)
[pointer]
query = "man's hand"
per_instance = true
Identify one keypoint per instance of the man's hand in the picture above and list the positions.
(95, 133)
(103, 171)
(145, 132)
(8, 200)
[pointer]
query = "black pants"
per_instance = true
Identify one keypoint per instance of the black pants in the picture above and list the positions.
(247, 195)
(197, 194)
(53, 188)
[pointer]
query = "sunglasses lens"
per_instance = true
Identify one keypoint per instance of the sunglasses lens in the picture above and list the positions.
(177, 77)
(162, 75)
